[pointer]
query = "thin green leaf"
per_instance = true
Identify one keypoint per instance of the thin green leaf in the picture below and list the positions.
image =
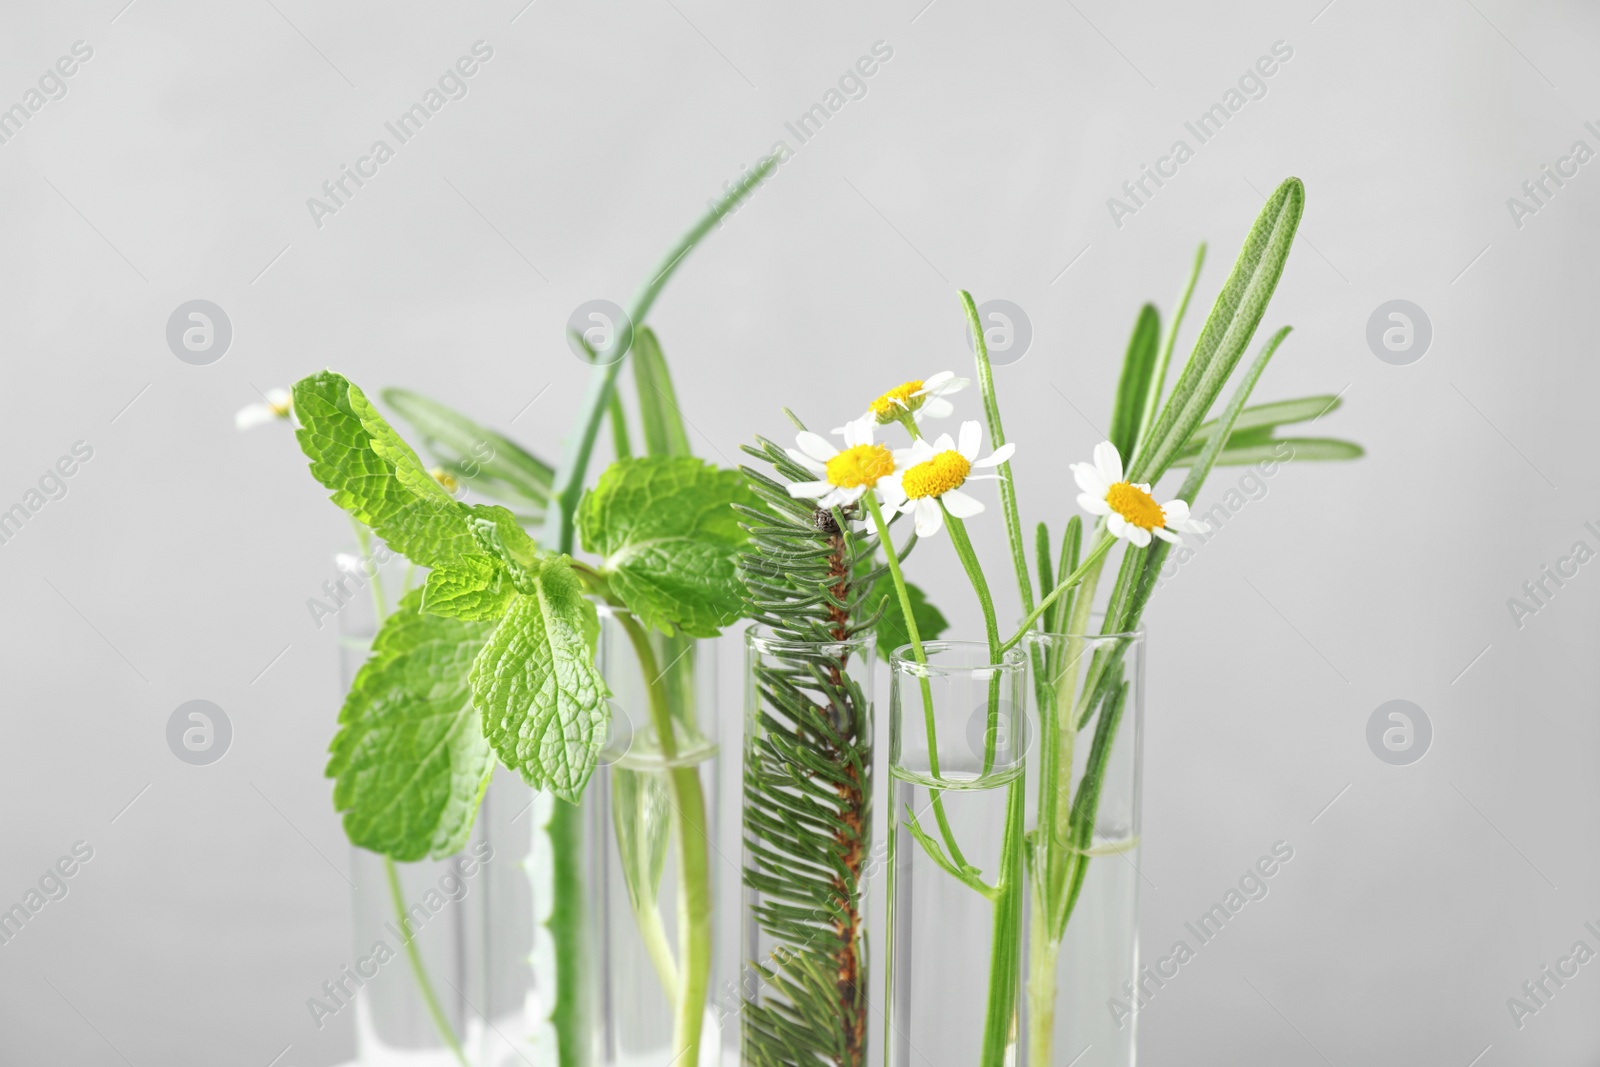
(489, 462)
(664, 433)
(1138, 369)
(1233, 321)
(1158, 380)
(1198, 473)
(1277, 413)
(1281, 450)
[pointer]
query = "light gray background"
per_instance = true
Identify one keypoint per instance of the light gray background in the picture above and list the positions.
(178, 566)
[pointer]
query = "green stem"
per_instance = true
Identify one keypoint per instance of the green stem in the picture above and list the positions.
(999, 1032)
(364, 542)
(1090, 563)
(567, 487)
(997, 437)
(1053, 858)
(569, 1013)
(694, 867)
(1158, 376)
(899, 579)
(440, 1022)
(980, 585)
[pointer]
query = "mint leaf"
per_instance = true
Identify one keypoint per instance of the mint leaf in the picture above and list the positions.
(891, 628)
(671, 540)
(376, 477)
(543, 702)
(410, 759)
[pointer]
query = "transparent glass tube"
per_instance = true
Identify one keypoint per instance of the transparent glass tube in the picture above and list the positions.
(416, 978)
(650, 831)
(1081, 1001)
(807, 831)
(957, 743)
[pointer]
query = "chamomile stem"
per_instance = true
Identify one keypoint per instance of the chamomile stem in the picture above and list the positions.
(440, 1022)
(997, 437)
(1006, 942)
(1091, 563)
(921, 657)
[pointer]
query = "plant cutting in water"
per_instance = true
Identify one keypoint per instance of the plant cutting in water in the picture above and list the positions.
(491, 656)
(1153, 429)
(814, 588)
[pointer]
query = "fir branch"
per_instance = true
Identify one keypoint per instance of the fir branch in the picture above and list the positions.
(807, 777)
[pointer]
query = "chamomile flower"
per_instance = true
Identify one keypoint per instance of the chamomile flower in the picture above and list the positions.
(1131, 512)
(279, 405)
(847, 473)
(933, 474)
(916, 399)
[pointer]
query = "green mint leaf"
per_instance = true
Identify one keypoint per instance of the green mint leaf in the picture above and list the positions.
(891, 628)
(475, 588)
(410, 760)
(671, 540)
(375, 475)
(543, 702)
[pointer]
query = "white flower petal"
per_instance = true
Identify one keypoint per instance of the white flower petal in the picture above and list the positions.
(1138, 535)
(960, 504)
(945, 443)
(1108, 462)
(1001, 454)
(254, 415)
(890, 491)
(1094, 505)
(1089, 479)
(971, 438)
(1165, 536)
(810, 490)
(1174, 512)
(936, 408)
(806, 461)
(1193, 526)
(953, 385)
(932, 383)
(929, 518)
(860, 431)
(1117, 525)
(850, 496)
(815, 445)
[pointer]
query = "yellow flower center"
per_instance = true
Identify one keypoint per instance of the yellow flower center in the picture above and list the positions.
(1136, 505)
(890, 405)
(446, 479)
(860, 465)
(937, 476)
